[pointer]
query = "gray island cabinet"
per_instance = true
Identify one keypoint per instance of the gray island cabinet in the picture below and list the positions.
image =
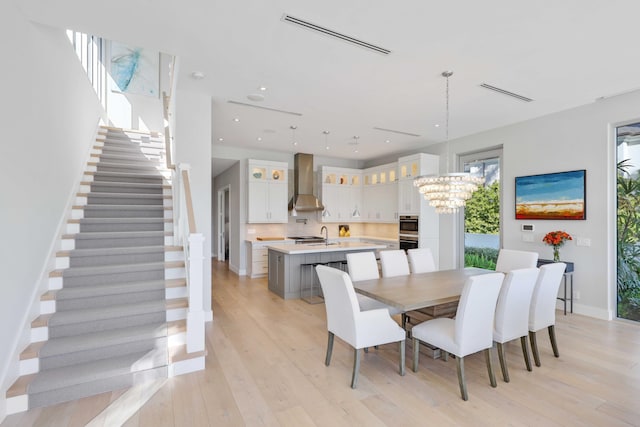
(287, 264)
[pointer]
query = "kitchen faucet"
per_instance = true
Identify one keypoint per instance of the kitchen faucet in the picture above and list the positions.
(326, 234)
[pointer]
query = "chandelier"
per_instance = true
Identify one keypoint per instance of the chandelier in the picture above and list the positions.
(449, 192)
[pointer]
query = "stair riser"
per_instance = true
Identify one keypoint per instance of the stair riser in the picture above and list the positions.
(104, 279)
(96, 387)
(132, 200)
(150, 212)
(98, 187)
(127, 179)
(119, 243)
(92, 261)
(115, 147)
(120, 167)
(70, 359)
(129, 159)
(106, 324)
(106, 301)
(118, 227)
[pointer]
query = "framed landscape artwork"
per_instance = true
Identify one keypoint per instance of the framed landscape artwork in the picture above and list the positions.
(560, 195)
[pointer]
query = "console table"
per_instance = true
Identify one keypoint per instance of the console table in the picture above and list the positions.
(568, 274)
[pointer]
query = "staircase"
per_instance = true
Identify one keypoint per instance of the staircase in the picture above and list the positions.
(117, 299)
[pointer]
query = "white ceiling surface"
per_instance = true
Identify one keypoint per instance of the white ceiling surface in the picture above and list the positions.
(560, 53)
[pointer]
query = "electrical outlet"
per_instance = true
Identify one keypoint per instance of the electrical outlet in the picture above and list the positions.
(583, 241)
(527, 237)
(251, 231)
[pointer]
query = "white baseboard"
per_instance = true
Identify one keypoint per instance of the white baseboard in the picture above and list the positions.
(186, 366)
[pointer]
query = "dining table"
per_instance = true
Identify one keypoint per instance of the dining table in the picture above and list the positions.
(417, 291)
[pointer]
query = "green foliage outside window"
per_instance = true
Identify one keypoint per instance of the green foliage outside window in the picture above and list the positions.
(482, 212)
(482, 216)
(628, 222)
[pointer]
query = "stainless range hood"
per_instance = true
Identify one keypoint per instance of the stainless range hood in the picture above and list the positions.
(303, 197)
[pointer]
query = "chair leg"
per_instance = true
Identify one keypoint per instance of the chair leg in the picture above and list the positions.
(416, 354)
(463, 384)
(525, 352)
(402, 357)
(534, 347)
(356, 368)
(445, 355)
(554, 343)
(492, 376)
(366, 349)
(327, 359)
(503, 362)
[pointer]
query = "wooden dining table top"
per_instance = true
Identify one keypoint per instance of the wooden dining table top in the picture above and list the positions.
(420, 290)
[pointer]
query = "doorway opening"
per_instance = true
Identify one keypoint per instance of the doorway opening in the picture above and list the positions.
(223, 224)
(628, 221)
(480, 223)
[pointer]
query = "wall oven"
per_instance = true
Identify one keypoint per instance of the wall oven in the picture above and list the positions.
(408, 242)
(408, 231)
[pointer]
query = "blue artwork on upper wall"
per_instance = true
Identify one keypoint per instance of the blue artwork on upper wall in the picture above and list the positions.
(135, 70)
(560, 195)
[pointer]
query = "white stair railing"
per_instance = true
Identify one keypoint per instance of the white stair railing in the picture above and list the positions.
(193, 244)
(185, 232)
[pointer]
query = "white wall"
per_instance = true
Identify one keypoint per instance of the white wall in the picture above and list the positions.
(579, 138)
(193, 146)
(48, 118)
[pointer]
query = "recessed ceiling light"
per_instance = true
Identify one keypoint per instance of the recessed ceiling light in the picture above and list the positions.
(262, 88)
(220, 139)
(235, 119)
(259, 138)
(197, 75)
(387, 141)
(436, 125)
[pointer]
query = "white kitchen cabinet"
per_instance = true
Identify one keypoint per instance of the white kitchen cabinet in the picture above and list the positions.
(410, 201)
(380, 194)
(267, 195)
(341, 193)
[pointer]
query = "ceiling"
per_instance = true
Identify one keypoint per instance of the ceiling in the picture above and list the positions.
(561, 54)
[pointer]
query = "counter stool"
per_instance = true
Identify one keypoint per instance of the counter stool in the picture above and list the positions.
(310, 298)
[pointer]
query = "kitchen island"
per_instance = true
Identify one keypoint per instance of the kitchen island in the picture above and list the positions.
(291, 267)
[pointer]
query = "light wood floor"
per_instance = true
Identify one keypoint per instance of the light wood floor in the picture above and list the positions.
(265, 366)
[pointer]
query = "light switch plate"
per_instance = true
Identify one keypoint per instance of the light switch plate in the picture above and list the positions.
(527, 237)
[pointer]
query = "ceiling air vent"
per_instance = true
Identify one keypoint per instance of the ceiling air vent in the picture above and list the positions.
(328, 32)
(264, 108)
(506, 92)
(396, 131)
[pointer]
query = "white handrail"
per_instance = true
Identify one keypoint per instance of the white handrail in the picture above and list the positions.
(193, 244)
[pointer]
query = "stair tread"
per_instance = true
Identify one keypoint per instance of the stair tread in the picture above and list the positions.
(92, 371)
(115, 234)
(123, 207)
(126, 184)
(119, 220)
(111, 337)
(77, 292)
(125, 195)
(103, 313)
(126, 174)
(117, 251)
(109, 269)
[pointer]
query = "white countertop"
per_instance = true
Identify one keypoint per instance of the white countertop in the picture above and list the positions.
(312, 248)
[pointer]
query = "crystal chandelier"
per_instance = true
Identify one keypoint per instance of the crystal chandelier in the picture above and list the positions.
(449, 192)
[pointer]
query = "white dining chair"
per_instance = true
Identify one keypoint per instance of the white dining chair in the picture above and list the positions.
(364, 266)
(470, 332)
(359, 329)
(421, 260)
(542, 313)
(394, 263)
(512, 314)
(510, 259)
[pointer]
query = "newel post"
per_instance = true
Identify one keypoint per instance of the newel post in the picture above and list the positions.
(195, 313)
